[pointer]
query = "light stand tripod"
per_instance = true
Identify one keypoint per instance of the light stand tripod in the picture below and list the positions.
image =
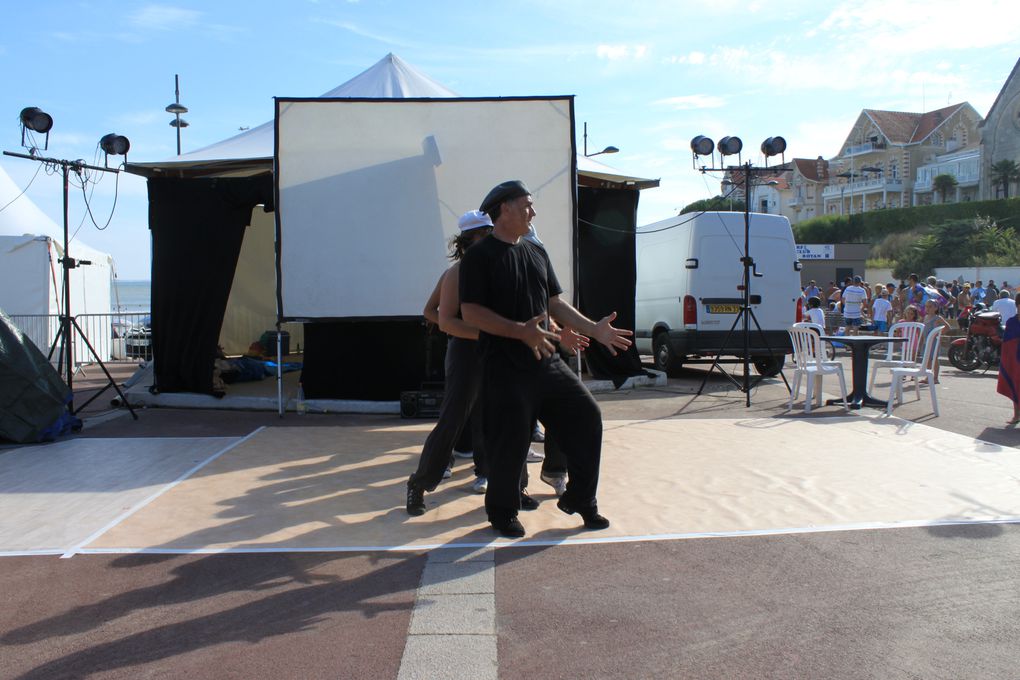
(65, 361)
(702, 146)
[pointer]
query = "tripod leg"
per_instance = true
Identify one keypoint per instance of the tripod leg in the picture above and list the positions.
(111, 383)
(765, 342)
(715, 361)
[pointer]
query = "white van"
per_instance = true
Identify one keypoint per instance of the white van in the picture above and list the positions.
(689, 290)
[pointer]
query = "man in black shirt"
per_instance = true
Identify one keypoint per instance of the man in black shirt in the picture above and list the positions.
(508, 289)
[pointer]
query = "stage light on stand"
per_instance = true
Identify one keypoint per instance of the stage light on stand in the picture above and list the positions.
(115, 145)
(702, 146)
(773, 146)
(730, 145)
(35, 119)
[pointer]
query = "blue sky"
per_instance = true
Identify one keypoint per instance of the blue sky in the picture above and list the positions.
(647, 75)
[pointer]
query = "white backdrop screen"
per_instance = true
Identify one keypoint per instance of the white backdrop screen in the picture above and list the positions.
(369, 193)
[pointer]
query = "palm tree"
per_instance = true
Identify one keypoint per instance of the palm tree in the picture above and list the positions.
(1003, 173)
(943, 183)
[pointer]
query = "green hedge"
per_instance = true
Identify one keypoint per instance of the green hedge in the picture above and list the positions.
(872, 227)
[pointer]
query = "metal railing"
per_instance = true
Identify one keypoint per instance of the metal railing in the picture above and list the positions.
(116, 337)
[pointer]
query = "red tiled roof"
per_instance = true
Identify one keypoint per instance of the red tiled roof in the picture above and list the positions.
(901, 127)
(808, 168)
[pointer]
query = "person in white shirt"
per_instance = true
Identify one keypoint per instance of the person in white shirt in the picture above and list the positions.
(1005, 306)
(880, 310)
(814, 312)
(853, 298)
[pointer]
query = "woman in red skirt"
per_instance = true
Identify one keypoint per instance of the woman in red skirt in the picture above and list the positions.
(1009, 365)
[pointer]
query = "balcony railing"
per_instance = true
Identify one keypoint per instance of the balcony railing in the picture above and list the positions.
(866, 147)
(869, 186)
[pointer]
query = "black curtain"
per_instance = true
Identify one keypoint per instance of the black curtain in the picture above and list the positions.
(197, 227)
(607, 275)
(366, 359)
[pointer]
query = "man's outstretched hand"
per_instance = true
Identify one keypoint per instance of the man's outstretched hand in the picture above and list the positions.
(613, 338)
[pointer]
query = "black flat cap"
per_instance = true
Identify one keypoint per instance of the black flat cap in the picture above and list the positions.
(507, 191)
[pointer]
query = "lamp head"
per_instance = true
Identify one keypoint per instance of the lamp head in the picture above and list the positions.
(36, 119)
(702, 146)
(114, 144)
(730, 145)
(773, 146)
(176, 109)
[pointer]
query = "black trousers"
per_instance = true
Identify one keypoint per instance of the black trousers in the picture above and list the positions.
(463, 377)
(512, 399)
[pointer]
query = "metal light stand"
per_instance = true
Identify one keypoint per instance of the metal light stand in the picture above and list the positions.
(745, 307)
(65, 362)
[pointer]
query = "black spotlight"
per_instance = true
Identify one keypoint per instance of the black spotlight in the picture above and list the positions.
(114, 144)
(35, 119)
(730, 145)
(773, 146)
(702, 146)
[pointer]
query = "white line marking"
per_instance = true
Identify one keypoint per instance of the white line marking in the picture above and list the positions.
(141, 504)
(500, 543)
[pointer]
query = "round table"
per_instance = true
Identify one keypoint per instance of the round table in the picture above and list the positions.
(859, 354)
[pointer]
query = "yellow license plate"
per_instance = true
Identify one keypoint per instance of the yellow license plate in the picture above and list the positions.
(723, 309)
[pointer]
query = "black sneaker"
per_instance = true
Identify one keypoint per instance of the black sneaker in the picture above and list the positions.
(527, 502)
(508, 528)
(415, 498)
(590, 515)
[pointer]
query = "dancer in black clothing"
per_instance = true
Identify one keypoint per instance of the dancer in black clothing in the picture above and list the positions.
(508, 290)
(463, 375)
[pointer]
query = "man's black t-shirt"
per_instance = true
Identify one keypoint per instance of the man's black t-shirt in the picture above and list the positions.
(514, 281)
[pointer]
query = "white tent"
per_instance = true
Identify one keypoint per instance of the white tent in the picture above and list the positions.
(252, 307)
(244, 162)
(31, 276)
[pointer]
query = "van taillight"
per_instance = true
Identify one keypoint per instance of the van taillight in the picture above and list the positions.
(800, 309)
(690, 311)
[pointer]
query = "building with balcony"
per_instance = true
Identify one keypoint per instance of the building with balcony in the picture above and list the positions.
(877, 163)
(808, 179)
(1000, 136)
(964, 166)
(771, 191)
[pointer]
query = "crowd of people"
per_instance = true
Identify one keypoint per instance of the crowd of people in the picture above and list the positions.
(857, 304)
(854, 303)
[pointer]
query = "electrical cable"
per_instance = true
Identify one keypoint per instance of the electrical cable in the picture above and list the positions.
(23, 190)
(113, 208)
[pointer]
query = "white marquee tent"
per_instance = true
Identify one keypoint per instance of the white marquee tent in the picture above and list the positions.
(31, 276)
(252, 308)
(244, 158)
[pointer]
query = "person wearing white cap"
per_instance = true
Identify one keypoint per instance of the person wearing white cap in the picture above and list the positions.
(463, 374)
(508, 290)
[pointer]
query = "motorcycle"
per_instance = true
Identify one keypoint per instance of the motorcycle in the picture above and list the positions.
(982, 345)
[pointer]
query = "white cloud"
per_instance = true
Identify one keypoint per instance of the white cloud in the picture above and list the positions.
(692, 101)
(164, 17)
(911, 27)
(371, 35)
(617, 52)
(695, 58)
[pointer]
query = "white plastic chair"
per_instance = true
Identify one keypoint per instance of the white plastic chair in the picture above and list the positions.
(899, 354)
(809, 361)
(924, 369)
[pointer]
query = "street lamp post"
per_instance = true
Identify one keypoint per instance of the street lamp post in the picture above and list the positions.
(177, 110)
(608, 149)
